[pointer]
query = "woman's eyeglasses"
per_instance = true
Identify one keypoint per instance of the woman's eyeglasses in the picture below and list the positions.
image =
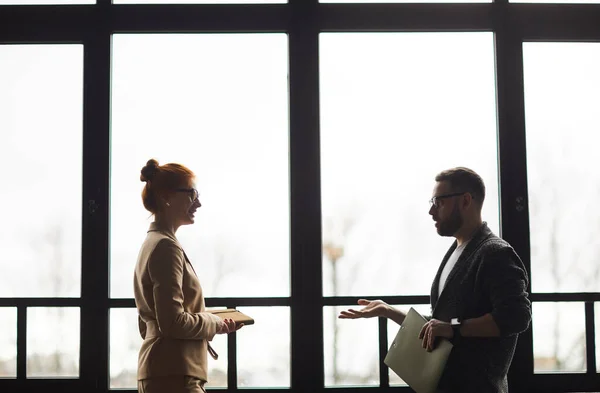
(193, 192)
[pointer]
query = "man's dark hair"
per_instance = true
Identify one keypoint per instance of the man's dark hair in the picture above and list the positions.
(463, 179)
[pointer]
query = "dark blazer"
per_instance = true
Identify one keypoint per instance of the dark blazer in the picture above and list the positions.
(489, 277)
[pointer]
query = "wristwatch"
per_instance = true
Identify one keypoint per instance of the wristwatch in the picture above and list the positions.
(456, 324)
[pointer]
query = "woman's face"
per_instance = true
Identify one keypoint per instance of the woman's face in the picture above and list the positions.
(183, 204)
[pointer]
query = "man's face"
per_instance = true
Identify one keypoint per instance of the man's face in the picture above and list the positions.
(445, 209)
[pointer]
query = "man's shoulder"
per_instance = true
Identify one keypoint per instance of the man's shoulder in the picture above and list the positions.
(492, 246)
(497, 252)
(494, 242)
(487, 241)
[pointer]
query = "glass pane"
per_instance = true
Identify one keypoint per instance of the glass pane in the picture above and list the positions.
(218, 104)
(53, 342)
(45, 2)
(41, 100)
(405, 114)
(558, 337)
(263, 349)
(351, 349)
(393, 327)
(199, 1)
(562, 120)
(8, 342)
(125, 343)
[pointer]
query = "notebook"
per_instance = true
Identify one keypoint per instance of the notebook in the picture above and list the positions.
(231, 313)
(420, 369)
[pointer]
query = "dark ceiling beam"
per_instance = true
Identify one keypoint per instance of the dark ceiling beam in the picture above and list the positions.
(406, 17)
(532, 22)
(556, 22)
(72, 23)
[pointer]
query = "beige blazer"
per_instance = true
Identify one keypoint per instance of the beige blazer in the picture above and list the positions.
(170, 304)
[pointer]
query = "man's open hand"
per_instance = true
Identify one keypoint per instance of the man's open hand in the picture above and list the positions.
(373, 308)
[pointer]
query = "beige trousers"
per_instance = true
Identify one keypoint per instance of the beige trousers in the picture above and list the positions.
(171, 384)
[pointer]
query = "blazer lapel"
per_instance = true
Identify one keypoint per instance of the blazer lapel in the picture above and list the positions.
(436, 281)
(478, 238)
(188, 261)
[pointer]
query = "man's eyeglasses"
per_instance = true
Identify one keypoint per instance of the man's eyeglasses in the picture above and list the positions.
(434, 202)
(193, 192)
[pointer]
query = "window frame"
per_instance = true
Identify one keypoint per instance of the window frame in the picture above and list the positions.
(302, 20)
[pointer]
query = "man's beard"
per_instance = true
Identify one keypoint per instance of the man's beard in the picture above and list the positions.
(452, 224)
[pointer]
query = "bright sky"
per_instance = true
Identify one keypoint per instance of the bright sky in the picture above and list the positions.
(395, 110)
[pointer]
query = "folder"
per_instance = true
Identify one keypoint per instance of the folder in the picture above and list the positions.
(420, 369)
(231, 313)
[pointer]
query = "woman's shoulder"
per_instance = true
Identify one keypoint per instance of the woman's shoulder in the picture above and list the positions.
(161, 241)
(157, 242)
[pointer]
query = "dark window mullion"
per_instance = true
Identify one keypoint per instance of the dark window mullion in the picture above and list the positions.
(190, 18)
(44, 24)
(590, 337)
(538, 22)
(21, 342)
(307, 365)
(384, 377)
(566, 297)
(232, 361)
(95, 236)
(512, 164)
(406, 17)
(232, 302)
(564, 382)
(40, 302)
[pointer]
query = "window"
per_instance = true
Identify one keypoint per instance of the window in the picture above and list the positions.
(41, 94)
(390, 121)
(561, 118)
(561, 85)
(52, 342)
(315, 129)
(174, 97)
(8, 342)
(559, 337)
(216, 103)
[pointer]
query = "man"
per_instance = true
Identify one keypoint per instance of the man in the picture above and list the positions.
(478, 297)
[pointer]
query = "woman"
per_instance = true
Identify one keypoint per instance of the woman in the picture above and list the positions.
(172, 318)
